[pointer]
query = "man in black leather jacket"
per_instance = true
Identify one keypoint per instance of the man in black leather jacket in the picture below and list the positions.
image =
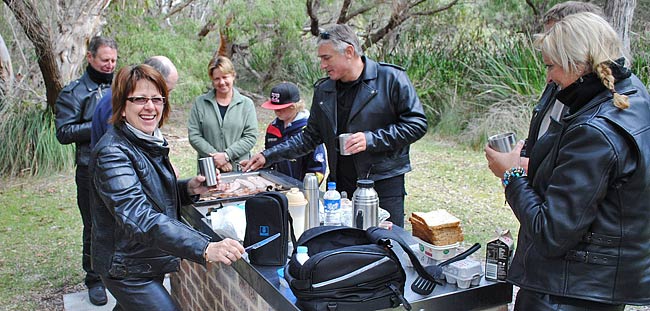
(584, 242)
(74, 110)
(377, 103)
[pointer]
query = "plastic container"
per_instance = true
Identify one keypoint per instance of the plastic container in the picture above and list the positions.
(302, 254)
(464, 273)
(347, 211)
(332, 202)
(436, 252)
(283, 281)
(297, 209)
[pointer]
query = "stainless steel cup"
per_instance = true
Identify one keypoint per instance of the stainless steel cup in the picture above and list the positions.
(502, 142)
(207, 169)
(343, 138)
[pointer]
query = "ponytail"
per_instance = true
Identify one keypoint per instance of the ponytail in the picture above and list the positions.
(605, 74)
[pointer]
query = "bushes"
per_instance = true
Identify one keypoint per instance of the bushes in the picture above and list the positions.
(29, 141)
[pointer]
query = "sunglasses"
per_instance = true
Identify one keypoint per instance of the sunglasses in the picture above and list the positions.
(143, 100)
(324, 35)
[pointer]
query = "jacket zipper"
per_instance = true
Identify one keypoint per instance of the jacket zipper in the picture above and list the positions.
(352, 274)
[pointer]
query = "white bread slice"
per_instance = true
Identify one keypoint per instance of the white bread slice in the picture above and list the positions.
(437, 219)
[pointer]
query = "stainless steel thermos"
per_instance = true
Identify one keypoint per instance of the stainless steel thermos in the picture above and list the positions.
(312, 194)
(366, 204)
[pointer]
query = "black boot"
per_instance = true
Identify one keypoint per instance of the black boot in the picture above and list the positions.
(97, 295)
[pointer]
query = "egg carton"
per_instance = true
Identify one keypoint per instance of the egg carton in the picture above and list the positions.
(464, 273)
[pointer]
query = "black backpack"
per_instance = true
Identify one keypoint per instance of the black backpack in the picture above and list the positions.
(348, 269)
(267, 213)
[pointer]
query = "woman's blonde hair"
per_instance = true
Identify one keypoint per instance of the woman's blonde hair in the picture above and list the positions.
(222, 63)
(584, 42)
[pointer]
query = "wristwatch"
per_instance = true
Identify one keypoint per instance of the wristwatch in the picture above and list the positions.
(226, 157)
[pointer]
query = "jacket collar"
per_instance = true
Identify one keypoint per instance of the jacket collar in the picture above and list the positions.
(147, 146)
(367, 90)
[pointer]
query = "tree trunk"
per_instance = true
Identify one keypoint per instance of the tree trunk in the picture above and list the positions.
(6, 70)
(37, 33)
(60, 57)
(620, 13)
(77, 24)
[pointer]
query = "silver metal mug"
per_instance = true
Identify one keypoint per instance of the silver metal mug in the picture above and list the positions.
(504, 142)
(207, 169)
(343, 138)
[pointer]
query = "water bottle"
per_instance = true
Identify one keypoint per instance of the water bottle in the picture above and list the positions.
(312, 194)
(347, 211)
(332, 202)
(366, 204)
(301, 255)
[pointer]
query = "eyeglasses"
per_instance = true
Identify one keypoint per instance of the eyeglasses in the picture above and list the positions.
(324, 35)
(143, 100)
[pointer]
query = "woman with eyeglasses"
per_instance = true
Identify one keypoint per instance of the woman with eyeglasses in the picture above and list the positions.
(223, 122)
(137, 235)
(582, 204)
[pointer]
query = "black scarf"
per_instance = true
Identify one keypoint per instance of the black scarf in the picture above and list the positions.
(99, 77)
(579, 93)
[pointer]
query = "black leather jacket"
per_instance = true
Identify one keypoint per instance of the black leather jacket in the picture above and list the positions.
(387, 109)
(74, 111)
(584, 213)
(135, 210)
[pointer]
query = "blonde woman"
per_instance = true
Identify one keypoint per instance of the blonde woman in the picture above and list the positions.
(223, 122)
(584, 242)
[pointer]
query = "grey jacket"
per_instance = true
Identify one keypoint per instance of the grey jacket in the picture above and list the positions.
(387, 109)
(74, 112)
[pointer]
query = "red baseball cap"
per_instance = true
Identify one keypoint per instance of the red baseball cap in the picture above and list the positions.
(282, 96)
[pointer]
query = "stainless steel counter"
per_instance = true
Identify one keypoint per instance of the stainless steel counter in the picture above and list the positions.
(265, 282)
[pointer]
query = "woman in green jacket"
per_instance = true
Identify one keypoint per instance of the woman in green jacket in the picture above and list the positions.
(223, 122)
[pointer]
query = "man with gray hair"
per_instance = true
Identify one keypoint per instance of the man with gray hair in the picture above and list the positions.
(74, 111)
(374, 102)
(104, 108)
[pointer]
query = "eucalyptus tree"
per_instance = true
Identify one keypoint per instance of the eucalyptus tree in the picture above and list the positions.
(59, 32)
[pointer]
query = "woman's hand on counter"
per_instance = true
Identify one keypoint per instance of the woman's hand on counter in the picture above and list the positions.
(226, 251)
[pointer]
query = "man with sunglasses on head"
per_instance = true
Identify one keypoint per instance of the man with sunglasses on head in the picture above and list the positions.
(104, 109)
(74, 110)
(373, 101)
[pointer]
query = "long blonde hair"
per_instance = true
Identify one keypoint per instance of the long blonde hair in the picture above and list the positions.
(584, 41)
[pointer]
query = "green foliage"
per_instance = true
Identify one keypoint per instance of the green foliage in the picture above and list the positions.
(29, 141)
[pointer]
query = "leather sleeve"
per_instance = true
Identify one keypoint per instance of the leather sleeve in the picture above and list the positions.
(70, 128)
(556, 221)
(121, 191)
(410, 124)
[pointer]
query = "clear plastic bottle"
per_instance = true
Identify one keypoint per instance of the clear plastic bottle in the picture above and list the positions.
(347, 211)
(302, 254)
(332, 202)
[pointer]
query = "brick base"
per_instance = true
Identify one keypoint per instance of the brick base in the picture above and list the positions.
(215, 287)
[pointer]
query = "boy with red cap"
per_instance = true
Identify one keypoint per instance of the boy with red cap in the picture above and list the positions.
(291, 119)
